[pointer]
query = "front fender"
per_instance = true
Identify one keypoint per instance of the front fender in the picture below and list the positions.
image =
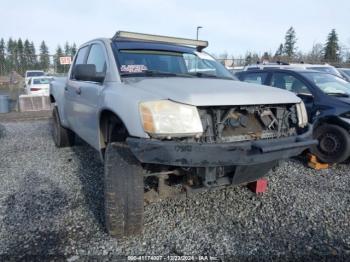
(57, 93)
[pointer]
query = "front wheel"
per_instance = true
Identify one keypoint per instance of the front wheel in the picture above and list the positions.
(124, 188)
(334, 144)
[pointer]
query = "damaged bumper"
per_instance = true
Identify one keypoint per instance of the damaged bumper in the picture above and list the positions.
(219, 154)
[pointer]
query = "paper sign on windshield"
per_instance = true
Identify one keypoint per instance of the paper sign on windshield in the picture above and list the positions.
(133, 68)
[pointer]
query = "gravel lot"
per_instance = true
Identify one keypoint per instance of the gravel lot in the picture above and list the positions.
(51, 203)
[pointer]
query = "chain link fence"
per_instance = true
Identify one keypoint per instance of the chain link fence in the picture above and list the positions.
(241, 62)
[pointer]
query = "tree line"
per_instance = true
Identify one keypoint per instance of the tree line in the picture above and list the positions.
(329, 52)
(18, 55)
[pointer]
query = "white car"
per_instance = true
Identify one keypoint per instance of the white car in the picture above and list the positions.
(39, 85)
(32, 73)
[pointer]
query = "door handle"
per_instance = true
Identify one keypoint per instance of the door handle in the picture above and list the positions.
(78, 90)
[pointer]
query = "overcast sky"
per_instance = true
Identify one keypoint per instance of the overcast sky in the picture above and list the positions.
(233, 26)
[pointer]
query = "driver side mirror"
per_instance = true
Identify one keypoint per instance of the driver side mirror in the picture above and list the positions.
(87, 72)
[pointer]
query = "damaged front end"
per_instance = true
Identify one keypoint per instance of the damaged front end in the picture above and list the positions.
(239, 144)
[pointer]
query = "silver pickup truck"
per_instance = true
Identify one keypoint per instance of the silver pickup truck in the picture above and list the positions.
(164, 114)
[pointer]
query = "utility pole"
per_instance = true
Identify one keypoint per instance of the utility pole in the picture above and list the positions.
(198, 27)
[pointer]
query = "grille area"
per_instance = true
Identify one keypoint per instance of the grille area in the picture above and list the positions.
(243, 123)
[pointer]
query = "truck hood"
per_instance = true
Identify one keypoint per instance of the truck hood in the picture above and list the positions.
(213, 92)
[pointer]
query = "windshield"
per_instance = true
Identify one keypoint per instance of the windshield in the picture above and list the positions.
(41, 81)
(326, 69)
(346, 71)
(31, 74)
(329, 84)
(150, 63)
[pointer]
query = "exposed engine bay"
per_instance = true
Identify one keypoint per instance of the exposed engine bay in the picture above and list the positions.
(227, 124)
(243, 123)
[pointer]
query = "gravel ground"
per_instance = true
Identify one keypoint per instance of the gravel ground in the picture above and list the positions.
(51, 203)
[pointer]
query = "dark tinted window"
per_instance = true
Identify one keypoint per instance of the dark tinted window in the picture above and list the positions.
(256, 78)
(30, 74)
(97, 57)
(289, 82)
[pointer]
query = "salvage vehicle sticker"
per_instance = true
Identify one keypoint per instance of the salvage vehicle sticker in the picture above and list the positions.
(133, 68)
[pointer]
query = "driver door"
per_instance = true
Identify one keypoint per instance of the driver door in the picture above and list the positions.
(293, 83)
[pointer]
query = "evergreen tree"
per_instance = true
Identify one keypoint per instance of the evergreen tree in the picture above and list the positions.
(44, 57)
(33, 58)
(279, 51)
(290, 43)
(3, 62)
(27, 53)
(331, 50)
(21, 57)
(67, 49)
(12, 54)
(59, 52)
(73, 50)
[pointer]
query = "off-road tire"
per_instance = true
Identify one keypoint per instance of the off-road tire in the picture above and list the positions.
(62, 137)
(334, 144)
(123, 191)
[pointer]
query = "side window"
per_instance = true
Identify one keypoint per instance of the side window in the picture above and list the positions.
(81, 55)
(256, 78)
(80, 58)
(290, 83)
(97, 58)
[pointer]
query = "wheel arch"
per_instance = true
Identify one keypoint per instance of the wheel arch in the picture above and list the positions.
(333, 120)
(52, 99)
(109, 124)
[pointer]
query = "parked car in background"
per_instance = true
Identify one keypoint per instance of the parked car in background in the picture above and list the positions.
(162, 112)
(317, 67)
(38, 85)
(32, 73)
(327, 100)
(345, 72)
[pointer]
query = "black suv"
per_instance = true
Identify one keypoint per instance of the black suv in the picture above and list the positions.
(327, 100)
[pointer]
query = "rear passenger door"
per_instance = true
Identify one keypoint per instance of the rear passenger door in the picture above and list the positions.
(254, 77)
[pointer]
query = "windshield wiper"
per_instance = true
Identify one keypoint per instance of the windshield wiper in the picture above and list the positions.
(338, 94)
(200, 74)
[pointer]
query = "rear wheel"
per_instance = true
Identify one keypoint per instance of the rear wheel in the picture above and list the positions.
(62, 137)
(334, 143)
(124, 188)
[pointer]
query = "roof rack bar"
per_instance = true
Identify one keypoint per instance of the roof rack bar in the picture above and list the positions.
(200, 44)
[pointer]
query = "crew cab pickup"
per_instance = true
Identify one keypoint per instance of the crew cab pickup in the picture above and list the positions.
(164, 114)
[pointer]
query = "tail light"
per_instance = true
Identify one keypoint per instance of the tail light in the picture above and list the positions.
(35, 89)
